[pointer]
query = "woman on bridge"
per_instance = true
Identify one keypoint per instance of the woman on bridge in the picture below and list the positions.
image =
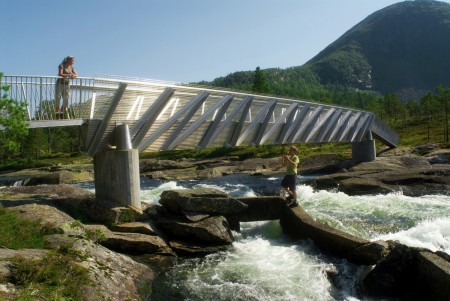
(62, 87)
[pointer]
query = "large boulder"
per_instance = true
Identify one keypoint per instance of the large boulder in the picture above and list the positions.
(207, 200)
(396, 276)
(113, 276)
(50, 218)
(212, 230)
(130, 243)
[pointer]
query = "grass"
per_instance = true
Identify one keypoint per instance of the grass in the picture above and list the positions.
(263, 151)
(55, 159)
(17, 234)
(57, 276)
(420, 132)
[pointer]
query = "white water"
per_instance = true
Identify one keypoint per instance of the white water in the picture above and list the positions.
(264, 264)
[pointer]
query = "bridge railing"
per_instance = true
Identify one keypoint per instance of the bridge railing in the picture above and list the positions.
(38, 93)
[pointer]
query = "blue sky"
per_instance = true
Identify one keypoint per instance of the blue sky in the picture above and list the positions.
(173, 40)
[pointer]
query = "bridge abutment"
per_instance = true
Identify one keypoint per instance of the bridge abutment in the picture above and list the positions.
(364, 151)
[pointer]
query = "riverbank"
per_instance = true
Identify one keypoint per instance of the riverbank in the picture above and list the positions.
(411, 171)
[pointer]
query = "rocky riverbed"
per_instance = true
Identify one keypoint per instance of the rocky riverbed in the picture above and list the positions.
(45, 195)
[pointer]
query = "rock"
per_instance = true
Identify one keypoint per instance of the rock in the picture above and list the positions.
(41, 193)
(130, 243)
(371, 252)
(205, 200)
(53, 175)
(435, 274)
(148, 165)
(154, 212)
(184, 248)
(108, 212)
(213, 230)
(23, 253)
(50, 218)
(359, 186)
(194, 216)
(113, 276)
(395, 276)
(147, 227)
(7, 289)
(411, 175)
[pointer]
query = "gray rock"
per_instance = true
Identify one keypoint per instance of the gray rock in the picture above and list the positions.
(412, 175)
(147, 227)
(395, 276)
(114, 276)
(50, 218)
(213, 230)
(131, 243)
(200, 200)
(184, 248)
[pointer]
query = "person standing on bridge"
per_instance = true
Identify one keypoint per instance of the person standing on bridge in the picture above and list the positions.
(289, 181)
(66, 72)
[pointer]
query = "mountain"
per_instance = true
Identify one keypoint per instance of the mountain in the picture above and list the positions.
(403, 48)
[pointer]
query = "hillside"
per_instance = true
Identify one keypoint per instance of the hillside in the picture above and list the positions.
(403, 48)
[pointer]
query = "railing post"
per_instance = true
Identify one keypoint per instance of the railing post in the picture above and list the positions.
(40, 99)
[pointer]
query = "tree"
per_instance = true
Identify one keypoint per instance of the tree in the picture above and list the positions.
(260, 84)
(12, 121)
(443, 95)
(393, 106)
(429, 108)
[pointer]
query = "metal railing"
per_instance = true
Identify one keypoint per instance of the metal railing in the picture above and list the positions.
(38, 93)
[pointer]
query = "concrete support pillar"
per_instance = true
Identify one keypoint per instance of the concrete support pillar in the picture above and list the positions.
(364, 151)
(116, 175)
(116, 172)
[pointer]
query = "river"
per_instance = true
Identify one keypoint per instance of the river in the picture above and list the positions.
(264, 264)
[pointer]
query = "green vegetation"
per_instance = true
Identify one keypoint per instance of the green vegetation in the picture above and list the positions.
(260, 83)
(17, 233)
(12, 118)
(57, 276)
(246, 152)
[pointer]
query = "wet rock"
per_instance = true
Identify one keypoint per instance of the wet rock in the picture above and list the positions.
(184, 248)
(395, 276)
(371, 252)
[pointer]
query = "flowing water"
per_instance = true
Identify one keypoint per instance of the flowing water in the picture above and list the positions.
(264, 264)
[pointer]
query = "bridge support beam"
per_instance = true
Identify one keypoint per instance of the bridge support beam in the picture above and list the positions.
(364, 151)
(116, 172)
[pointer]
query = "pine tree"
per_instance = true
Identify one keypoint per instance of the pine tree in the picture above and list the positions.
(260, 84)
